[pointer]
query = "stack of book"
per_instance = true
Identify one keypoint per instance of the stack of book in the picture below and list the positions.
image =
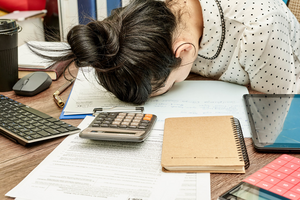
(30, 62)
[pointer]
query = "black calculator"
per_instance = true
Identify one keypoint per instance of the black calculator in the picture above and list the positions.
(120, 126)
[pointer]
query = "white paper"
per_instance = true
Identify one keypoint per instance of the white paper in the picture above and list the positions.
(201, 98)
(187, 98)
(28, 59)
(88, 94)
(85, 169)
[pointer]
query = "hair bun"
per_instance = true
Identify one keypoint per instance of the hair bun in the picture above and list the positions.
(96, 43)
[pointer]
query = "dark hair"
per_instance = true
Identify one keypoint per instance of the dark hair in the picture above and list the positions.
(131, 50)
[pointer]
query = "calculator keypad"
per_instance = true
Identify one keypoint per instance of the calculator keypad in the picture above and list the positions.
(122, 120)
(120, 126)
(282, 176)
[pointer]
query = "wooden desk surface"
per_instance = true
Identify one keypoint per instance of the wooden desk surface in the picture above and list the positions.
(17, 161)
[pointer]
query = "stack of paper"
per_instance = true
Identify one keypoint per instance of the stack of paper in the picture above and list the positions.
(98, 170)
(185, 99)
(28, 59)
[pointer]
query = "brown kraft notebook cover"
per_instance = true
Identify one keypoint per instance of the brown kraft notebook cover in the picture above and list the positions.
(212, 144)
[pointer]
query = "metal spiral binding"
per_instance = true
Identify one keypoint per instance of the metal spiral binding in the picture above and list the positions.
(239, 140)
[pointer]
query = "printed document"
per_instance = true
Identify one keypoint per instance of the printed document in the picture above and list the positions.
(102, 170)
(187, 98)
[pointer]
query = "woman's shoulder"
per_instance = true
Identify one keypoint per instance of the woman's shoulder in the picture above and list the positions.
(247, 11)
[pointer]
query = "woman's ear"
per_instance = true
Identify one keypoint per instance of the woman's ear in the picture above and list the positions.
(182, 48)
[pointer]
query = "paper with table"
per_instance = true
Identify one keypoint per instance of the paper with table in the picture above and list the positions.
(188, 98)
(84, 169)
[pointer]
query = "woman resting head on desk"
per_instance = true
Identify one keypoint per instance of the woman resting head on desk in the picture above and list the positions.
(141, 50)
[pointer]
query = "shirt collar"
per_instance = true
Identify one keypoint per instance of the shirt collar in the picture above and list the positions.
(213, 29)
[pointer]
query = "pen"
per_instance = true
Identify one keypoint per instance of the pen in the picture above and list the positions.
(56, 94)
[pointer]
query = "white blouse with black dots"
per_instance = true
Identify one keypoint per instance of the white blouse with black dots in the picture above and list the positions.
(250, 42)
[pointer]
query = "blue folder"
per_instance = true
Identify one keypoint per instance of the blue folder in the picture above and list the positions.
(87, 10)
(113, 4)
(79, 116)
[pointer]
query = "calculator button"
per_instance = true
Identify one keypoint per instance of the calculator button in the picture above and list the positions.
(286, 170)
(296, 174)
(142, 127)
(286, 157)
(259, 175)
(136, 121)
(272, 180)
(266, 170)
(291, 195)
(286, 185)
(252, 180)
(116, 122)
(280, 162)
(292, 166)
(296, 161)
(292, 180)
(144, 124)
(134, 124)
(278, 190)
(296, 189)
(273, 166)
(264, 185)
(279, 175)
(147, 119)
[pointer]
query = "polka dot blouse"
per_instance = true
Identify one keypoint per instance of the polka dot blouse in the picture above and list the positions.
(250, 42)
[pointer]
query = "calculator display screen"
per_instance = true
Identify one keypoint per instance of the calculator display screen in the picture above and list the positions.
(246, 191)
(274, 120)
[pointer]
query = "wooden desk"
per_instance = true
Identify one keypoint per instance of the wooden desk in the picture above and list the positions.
(17, 161)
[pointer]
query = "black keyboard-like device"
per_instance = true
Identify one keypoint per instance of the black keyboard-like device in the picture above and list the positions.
(25, 125)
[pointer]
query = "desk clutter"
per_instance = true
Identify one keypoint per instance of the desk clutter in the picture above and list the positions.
(217, 129)
(26, 125)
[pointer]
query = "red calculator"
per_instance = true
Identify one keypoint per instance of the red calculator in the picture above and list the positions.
(280, 179)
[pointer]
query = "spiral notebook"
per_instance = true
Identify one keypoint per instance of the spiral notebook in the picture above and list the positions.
(213, 144)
